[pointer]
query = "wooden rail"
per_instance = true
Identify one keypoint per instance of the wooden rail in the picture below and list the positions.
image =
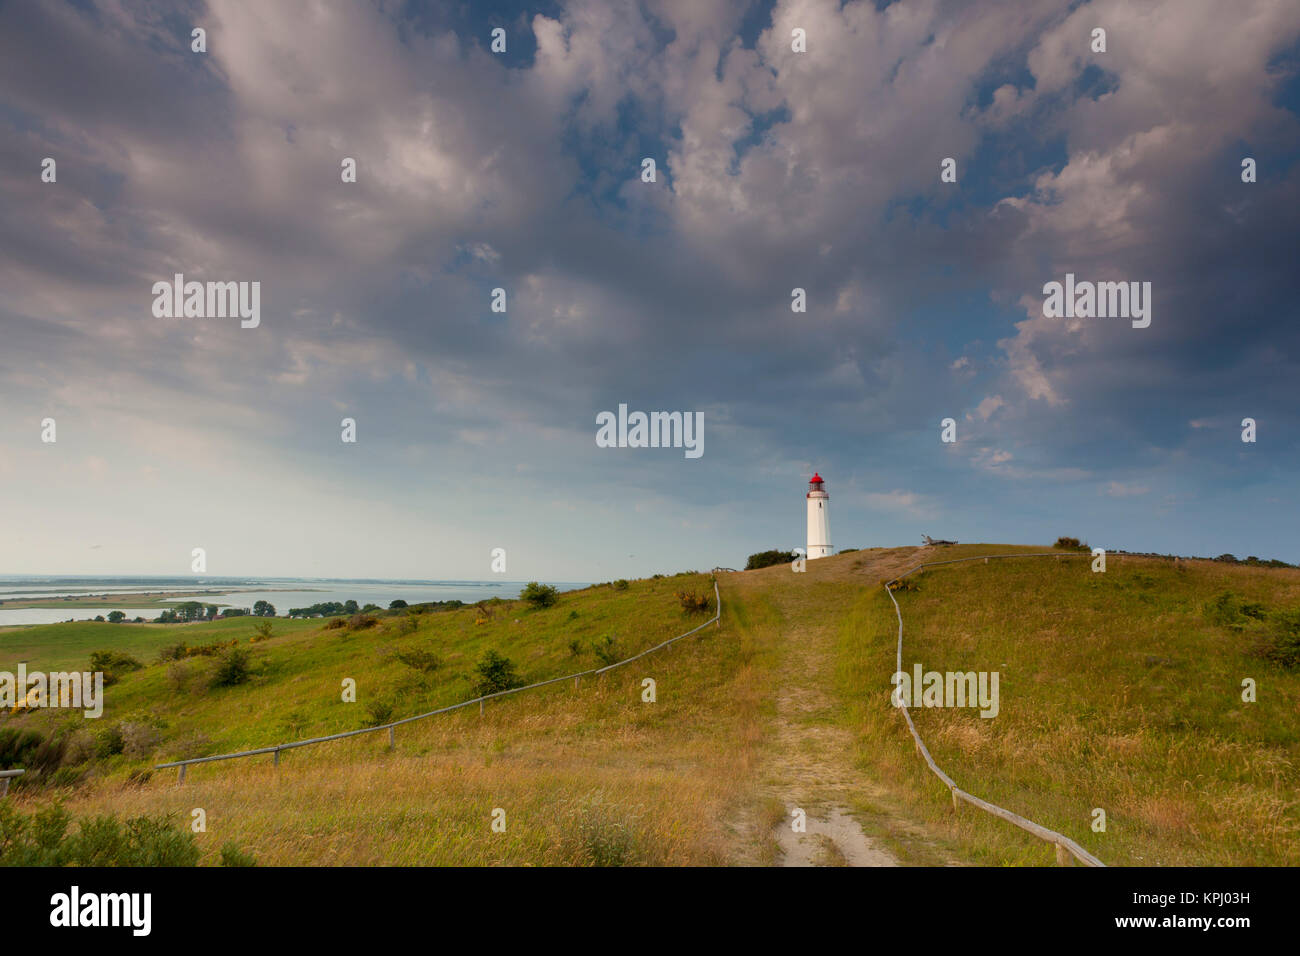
(276, 749)
(1065, 847)
(5, 777)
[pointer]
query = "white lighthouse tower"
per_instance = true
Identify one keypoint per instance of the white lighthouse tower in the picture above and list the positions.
(819, 519)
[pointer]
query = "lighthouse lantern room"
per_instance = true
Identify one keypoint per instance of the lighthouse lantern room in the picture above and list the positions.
(819, 521)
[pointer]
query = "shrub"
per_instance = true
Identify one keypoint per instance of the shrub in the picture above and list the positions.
(539, 595)
(693, 603)
(139, 739)
(335, 623)
(394, 605)
(44, 839)
(765, 559)
(172, 652)
(1071, 544)
(231, 855)
(109, 741)
(261, 631)
(1229, 610)
(191, 745)
(420, 660)
(379, 712)
(607, 650)
(1282, 643)
(620, 584)
(116, 617)
(80, 747)
(113, 664)
(496, 673)
(359, 622)
(233, 668)
(575, 647)
(178, 676)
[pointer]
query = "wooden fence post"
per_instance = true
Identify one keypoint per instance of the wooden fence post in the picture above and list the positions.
(392, 738)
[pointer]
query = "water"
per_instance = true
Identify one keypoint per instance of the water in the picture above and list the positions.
(284, 593)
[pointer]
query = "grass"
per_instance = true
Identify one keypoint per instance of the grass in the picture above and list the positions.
(587, 776)
(52, 647)
(1118, 691)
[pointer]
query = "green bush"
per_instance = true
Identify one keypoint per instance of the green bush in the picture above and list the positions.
(232, 669)
(378, 712)
(1281, 645)
(113, 664)
(109, 741)
(231, 855)
(419, 660)
(694, 603)
(539, 595)
(44, 839)
(1229, 610)
(765, 559)
(607, 650)
(496, 673)
(1071, 544)
(620, 584)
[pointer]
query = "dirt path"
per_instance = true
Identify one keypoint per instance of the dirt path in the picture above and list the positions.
(809, 765)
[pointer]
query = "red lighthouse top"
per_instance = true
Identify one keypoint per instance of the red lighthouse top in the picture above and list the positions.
(816, 479)
(815, 484)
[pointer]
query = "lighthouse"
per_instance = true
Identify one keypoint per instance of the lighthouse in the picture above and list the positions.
(819, 519)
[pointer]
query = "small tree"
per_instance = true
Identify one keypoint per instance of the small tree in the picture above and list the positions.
(496, 673)
(539, 595)
(395, 605)
(264, 609)
(765, 559)
(232, 669)
(116, 617)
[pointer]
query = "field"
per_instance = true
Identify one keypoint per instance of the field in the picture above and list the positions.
(68, 646)
(158, 599)
(1119, 691)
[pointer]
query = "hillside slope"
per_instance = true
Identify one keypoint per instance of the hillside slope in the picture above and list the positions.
(1119, 691)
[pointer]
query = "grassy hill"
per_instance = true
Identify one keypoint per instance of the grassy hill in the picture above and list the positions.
(1119, 690)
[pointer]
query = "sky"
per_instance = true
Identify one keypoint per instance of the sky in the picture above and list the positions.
(522, 170)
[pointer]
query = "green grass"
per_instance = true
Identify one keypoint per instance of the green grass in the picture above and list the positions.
(587, 776)
(1117, 692)
(52, 647)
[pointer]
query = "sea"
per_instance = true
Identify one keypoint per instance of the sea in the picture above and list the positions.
(284, 593)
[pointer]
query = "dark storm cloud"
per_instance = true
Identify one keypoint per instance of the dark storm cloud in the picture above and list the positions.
(776, 170)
